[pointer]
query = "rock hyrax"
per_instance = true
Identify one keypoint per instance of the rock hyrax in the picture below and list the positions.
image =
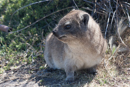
(75, 43)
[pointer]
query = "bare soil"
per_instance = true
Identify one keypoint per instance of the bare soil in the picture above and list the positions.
(29, 75)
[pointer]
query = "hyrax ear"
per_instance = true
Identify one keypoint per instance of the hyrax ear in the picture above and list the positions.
(72, 10)
(84, 18)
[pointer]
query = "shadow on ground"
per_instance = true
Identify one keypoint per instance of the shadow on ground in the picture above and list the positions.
(57, 79)
(29, 75)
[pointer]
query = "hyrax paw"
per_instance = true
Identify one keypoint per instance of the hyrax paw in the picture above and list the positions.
(69, 79)
(50, 70)
(92, 71)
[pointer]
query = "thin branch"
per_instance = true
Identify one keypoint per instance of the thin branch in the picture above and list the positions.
(128, 15)
(127, 3)
(111, 10)
(110, 5)
(112, 18)
(39, 20)
(107, 24)
(75, 4)
(87, 8)
(88, 1)
(120, 38)
(122, 7)
(48, 25)
(27, 6)
(94, 3)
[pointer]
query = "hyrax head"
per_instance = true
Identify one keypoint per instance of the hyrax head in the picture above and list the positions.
(72, 26)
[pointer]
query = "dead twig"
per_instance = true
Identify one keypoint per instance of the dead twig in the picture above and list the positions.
(88, 1)
(127, 3)
(39, 20)
(87, 8)
(128, 15)
(107, 24)
(75, 4)
(27, 6)
(113, 16)
(94, 8)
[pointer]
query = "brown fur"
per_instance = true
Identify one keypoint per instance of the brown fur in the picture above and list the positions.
(81, 46)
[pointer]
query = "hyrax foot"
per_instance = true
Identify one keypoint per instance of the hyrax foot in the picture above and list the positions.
(92, 71)
(50, 69)
(70, 75)
(69, 79)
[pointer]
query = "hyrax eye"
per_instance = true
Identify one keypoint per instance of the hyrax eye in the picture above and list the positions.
(67, 26)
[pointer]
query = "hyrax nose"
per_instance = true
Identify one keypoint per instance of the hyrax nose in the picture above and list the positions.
(55, 33)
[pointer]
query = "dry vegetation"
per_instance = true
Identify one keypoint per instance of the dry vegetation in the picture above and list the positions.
(114, 71)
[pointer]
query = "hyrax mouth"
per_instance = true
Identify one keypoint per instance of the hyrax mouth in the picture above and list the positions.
(62, 36)
(58, 36)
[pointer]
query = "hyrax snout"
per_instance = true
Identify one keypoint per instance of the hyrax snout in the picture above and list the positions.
(75, 43)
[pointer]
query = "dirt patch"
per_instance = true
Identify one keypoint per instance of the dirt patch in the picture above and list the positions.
(25, 76)
(31, 76)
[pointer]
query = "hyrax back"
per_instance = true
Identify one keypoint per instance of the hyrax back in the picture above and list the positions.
(76, 43)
